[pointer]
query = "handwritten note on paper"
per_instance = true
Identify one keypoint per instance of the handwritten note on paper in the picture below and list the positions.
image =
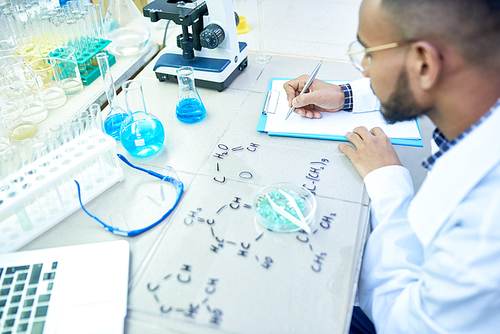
(334, 124)
(215, 266)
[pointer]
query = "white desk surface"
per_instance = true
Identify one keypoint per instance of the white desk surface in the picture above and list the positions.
(232, 116)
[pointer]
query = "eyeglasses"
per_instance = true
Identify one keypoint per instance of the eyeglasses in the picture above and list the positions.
(361, 58)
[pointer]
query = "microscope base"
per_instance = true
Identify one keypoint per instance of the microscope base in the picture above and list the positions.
(216, 73)
(220, 86)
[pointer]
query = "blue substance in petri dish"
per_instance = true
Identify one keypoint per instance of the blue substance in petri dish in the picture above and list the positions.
(113, 124)
(190, 110)
(273, 220)
(143, 138)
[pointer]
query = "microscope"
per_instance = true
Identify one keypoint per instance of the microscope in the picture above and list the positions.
(211, 48)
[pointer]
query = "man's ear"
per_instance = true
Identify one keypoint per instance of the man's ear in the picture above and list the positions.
(427, 64)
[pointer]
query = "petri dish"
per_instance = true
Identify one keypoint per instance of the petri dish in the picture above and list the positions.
(272, 220)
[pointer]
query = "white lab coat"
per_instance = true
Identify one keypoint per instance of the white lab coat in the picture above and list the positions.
(432, 261)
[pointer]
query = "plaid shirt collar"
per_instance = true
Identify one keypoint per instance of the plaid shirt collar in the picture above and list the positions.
(444, 145)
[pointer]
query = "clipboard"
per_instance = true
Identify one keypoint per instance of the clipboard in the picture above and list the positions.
(269, 105)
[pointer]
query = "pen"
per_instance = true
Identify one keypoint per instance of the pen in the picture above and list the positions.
(308, 83)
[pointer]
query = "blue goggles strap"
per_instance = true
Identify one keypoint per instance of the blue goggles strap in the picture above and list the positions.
(179, 187)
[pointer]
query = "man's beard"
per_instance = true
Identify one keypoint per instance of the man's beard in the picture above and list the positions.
(401, 105)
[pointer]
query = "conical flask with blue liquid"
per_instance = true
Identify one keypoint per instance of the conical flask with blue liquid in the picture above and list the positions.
(190, 108)
(116, 115)
(141, 134)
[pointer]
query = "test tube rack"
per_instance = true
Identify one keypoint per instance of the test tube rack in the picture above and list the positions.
(44, 193)
(87, 63)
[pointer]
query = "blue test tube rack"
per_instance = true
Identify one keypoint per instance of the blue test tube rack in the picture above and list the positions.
(87, 63)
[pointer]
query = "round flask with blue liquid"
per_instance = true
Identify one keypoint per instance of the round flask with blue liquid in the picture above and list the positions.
(141, 133)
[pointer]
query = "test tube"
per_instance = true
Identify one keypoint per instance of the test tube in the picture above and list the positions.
(43, 37)
(71, 25)
(86, 23)
(89, 30)
(96, 124)
(37, 211)
(94, 33)
(78, 127)
(53, 144)
(95, 24)
(4, 138)
(261, 58)
(108, 161)
(13, 166)
(98, 166)
(67, 140)
(38, 158)
(6, 172)
(86, 120)
(26, 154)
(30, 154)
(77, 16)
(4, 185)
(61, 27)
(55, 129)
(41, 150)
(50, 199)
(100, 20)
(18, 21)
(52, 29)
(12, 33)
(85, 177)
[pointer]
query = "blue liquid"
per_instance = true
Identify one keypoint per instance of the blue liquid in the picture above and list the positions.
(113, 124)
(143, 138)
(190, 110)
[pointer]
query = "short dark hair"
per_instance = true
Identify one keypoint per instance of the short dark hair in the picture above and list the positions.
(472, 26)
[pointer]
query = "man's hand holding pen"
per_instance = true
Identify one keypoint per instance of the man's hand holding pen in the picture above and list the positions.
(321, 96)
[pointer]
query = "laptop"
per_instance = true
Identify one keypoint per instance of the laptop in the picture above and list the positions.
(72, 289)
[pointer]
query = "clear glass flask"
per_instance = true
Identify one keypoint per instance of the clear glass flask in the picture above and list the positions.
(190, 108)
(126, 27)
(116, 115)
(142, 134)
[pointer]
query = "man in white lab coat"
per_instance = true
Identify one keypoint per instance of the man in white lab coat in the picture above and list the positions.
(432, 261)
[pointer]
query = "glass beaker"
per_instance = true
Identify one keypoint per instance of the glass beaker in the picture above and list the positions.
(7, 47)
(141, 134)
(190, 108)
(48, 81)
(10, 65)
(66, 67)
(4, 137)
(116, 115)
(126, 27)
(27, 95)
(17, 120)
(29, 52)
